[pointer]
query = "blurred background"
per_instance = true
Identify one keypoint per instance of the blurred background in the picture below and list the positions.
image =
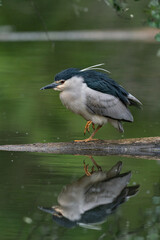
(28, 115)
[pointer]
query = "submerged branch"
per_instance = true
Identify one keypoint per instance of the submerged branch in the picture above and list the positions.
(136, 147)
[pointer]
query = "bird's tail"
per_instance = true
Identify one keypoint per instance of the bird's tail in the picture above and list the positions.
(132, 190)
(128, 192)
(134, 101)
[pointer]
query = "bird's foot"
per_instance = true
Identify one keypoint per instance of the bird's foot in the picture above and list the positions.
(90, 139)
(87, 127)
(87, 140)
(86, 169)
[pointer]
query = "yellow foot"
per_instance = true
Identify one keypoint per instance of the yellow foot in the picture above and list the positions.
(86, 140)
(90, 139)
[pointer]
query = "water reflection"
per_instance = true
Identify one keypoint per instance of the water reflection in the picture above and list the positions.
(93, 197)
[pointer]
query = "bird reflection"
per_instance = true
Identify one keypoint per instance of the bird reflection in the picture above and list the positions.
(93, 197)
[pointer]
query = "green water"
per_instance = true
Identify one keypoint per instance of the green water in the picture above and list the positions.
(28, 115)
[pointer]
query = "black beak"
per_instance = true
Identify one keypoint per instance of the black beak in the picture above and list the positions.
(47, 210)
(52, 85)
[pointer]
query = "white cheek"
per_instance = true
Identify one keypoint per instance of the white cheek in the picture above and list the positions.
(56, 89)
(59, 88)
(63, 86)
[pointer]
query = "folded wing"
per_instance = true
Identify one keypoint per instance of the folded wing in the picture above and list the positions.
(107, 105)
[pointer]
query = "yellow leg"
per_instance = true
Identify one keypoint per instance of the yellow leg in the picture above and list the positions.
(91, 137)
(86, 169)
(93, 126)
(87, 127)
(92, 170)
(94, 162)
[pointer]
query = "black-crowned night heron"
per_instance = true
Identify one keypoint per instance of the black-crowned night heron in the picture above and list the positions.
(94, 96)
(91, 198)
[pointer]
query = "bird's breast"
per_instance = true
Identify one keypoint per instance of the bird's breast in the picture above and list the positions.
(75, 100)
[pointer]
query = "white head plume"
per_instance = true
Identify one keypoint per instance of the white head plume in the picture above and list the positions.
(95, 67)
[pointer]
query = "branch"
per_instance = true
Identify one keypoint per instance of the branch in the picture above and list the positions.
(136, 147)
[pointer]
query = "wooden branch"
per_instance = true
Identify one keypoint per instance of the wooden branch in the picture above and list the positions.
(136, 147)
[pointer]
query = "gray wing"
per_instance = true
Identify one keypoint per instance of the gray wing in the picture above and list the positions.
(75, 191)
(105, 192)
(107, 105)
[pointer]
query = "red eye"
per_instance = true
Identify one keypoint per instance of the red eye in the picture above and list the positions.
(62, 81)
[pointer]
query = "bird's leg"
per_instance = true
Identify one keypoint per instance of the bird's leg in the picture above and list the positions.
(91, 137)
(86, 169)
(92, 170)
(93, 126)
(94, 162)
(87, 127)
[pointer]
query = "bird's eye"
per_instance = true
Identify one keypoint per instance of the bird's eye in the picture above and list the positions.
(59, 214)
(62, 81)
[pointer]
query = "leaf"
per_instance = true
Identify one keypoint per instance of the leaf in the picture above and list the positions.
(157, 37)
(154, 3)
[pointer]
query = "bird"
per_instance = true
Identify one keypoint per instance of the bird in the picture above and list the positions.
(91, 93)
(91, 198)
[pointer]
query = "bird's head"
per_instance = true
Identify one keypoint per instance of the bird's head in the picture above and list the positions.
(55, 211)
(60, 212)
(58, 216)
(72, 78)
(61, 79)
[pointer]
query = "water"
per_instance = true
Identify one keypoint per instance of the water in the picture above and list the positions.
(28, 115)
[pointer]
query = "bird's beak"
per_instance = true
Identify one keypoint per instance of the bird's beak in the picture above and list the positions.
(47, 210)
(52, 85)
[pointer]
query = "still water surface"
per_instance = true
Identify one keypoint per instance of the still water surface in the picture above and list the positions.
(29, 115)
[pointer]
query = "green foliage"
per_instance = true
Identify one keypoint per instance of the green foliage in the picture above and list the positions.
(118, 5)
(153, 14)
(152, 11)
(157, 37)
(153, 17)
